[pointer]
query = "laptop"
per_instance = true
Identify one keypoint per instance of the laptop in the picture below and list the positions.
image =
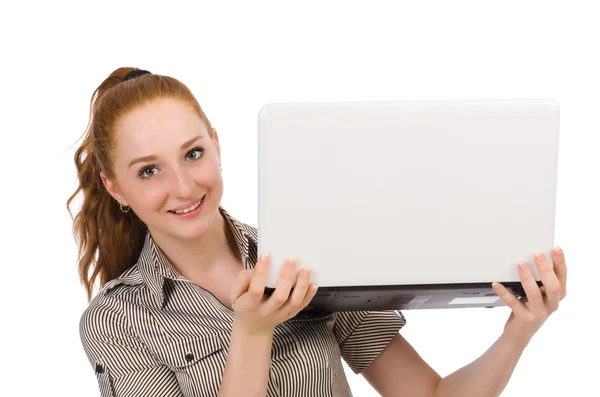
(409, 204)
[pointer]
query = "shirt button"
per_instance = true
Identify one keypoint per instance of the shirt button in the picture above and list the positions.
(99, 369)
(189, 357)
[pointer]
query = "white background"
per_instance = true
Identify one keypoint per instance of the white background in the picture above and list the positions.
(237, 56)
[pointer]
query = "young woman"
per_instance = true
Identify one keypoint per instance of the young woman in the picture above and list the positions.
(181, 310)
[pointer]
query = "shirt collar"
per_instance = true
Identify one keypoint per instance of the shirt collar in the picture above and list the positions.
(154, 267)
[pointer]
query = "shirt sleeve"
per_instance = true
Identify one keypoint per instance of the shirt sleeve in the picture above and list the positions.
(122, 364)
(362, 335)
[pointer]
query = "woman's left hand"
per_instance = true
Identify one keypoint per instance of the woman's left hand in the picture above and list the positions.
(530, 313)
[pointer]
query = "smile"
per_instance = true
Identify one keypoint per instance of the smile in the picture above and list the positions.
(189, 209)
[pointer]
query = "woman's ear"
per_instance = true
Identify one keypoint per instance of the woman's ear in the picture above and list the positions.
(112, 188)
(217, 145)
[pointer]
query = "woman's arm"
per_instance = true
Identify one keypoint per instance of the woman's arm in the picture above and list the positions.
(247, 370)
(488, 375)
(123, 365)
(399, 370)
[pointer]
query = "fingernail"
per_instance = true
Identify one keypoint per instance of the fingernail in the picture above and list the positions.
(522, 264)
(264, 256)
(495, 283)
(557, 250)
(538, 254)
(291, 262)
(306, 269)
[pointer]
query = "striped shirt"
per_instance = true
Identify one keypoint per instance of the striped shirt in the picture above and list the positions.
(152, 332)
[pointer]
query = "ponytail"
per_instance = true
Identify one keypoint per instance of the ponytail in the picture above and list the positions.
(109, 240)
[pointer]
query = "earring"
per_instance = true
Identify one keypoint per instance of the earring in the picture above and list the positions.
(128, 208)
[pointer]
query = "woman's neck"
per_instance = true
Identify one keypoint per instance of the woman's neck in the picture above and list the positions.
(195, 259)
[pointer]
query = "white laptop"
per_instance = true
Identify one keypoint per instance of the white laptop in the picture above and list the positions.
(407, 205)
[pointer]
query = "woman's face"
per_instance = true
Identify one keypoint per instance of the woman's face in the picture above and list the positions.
(165, 161)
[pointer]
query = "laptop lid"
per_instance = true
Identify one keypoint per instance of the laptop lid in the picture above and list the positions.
(430, 198)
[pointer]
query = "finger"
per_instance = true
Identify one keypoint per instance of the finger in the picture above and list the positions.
(310, 294)
(511, 300)
(300, 290)
(551, 284)
(283, 287)
(292, 310)
(532, 290)
(259, 280)
(303, 293)
(240, 285)
(560, 269)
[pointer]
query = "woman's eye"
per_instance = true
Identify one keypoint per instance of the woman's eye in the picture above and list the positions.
(195, 154)
(151, 170)
(147, 172)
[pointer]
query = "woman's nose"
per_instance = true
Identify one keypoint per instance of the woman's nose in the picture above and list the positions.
(182, 183)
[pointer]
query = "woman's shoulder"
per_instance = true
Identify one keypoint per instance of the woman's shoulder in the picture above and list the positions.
(106, 301)
(246, 227)
(251, 230)
(130, 277)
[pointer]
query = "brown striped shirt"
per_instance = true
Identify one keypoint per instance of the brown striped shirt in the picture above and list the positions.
(151, 332)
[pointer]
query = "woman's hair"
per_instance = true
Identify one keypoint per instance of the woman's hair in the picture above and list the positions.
(109, 240)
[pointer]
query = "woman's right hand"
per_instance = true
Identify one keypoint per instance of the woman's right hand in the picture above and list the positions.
(258, 312)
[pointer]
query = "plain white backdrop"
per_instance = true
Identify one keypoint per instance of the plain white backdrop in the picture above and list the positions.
(237, 56)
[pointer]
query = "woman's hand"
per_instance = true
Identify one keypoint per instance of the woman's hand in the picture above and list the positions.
(258, 312)
(530, 313)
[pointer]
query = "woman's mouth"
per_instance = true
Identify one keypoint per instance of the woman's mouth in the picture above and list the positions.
(190, 211)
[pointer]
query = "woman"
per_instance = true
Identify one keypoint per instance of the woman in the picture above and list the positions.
(181, 311)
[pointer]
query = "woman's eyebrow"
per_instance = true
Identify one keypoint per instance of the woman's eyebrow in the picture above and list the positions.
(154, 157)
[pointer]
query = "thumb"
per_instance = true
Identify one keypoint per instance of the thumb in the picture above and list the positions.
(240, 284)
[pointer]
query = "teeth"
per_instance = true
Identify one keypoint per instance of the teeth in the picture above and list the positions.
(185, 211)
